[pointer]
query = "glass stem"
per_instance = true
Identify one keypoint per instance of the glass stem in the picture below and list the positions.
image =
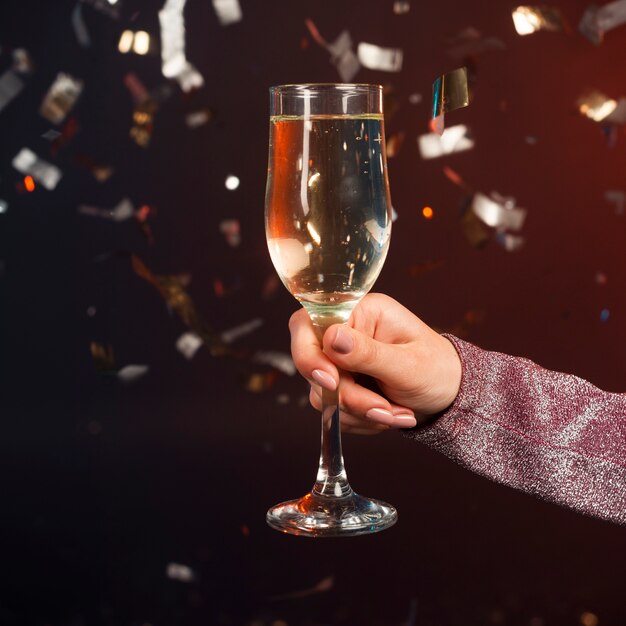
(332, 480)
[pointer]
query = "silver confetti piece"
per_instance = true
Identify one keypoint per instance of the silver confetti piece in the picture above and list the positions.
(132, 373)
(228, 336)
(454, 139)
(228, 11)
(79, 26)
(10, 87)
(497, 214)
(188, 344)
(27, 162)
(123, 211)
(174, 63)
(377, 58)
(182, 573)
(278, 360)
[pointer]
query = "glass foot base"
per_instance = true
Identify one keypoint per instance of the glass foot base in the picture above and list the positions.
(324, 516)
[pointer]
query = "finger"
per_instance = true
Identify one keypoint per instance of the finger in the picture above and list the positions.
(372, 407)
(307, 353)
(394, 416)
(355, 351)
(385, 319)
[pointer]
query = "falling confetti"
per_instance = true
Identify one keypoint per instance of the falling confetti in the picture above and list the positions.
(450, 92)
(123, 211)
(10, 87)
(137, 42)
(342, 54)
(61, 98)
(595, 22)
(27, 162)
(454, 139)
(279, 360)
(228, 336)
(228, 11)
(530, 19)
(174, 62)
(131, 373)
(188, 344)
(181, 573)
(377, 58)
(173, 292)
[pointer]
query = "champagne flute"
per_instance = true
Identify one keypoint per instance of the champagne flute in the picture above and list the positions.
(328, 223)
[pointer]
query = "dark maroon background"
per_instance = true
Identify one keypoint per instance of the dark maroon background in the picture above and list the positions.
(185, 460)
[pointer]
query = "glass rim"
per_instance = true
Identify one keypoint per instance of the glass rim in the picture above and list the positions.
(313, 86)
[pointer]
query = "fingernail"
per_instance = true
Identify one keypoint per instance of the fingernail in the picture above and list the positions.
(380, 415)
(324, 380)
(406, 420)
(343, 342)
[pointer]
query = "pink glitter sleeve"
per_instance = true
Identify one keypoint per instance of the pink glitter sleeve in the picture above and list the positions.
(547, 433)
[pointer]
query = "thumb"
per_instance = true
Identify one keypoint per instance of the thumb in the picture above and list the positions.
(354, 351)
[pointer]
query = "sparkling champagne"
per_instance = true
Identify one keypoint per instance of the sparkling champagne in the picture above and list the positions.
(328, 218)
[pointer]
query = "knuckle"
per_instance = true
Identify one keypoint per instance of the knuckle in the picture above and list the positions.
(294, 320)
(368, 353)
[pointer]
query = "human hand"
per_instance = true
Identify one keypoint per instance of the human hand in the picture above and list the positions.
(417, 370)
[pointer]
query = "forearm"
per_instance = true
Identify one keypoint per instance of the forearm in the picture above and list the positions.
(547, 433)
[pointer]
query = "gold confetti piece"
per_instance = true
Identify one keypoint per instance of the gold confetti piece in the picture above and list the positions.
(61, 97)
(596, 106)
(400, 7)
(22, 61)
(103, 357)
(99, 171)
(450, 92)
(589, 619)
(256, 382)
(137, 42)
(530, 19)
(172, 290)
(394, 143)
